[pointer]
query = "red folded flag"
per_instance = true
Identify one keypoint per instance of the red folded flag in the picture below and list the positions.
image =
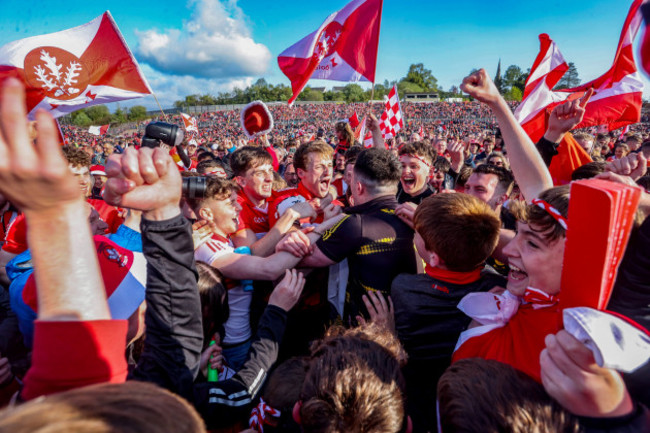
(601, 215)
(75, 68)
(344, 48)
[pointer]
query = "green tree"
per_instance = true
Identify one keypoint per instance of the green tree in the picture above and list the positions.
(137, 112)
(422, 77)
(404, 87)
(570, 78)
(81, 119)
(498, 81)
(120, 116)
(99, 114)
(514, 94)
(515, 77)
(353, 93)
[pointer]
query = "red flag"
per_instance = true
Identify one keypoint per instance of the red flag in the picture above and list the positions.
(75, 68)
(391, 119)
(617, 93)
(344, 48)
(354, 120)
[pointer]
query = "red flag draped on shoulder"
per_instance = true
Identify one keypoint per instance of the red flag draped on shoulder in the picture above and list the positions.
(75, 68)
(616, 101)
(344, 48)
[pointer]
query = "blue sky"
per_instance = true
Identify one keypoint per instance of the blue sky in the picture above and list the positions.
(242, 39)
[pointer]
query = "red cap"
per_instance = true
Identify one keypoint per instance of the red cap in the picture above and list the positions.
(256, 119)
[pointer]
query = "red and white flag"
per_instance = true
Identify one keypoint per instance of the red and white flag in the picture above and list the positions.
(344, 48)
(354, 120)
(98, 130)
(191, 125)
(623, 132)
(391, 119)
(75, 68)
(617, 97)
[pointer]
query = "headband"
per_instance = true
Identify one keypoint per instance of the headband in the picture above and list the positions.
(418, 158)
(552, 212)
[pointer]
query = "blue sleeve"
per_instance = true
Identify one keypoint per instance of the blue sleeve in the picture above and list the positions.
(127, 238)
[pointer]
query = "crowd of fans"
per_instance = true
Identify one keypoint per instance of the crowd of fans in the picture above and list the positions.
(311, 280)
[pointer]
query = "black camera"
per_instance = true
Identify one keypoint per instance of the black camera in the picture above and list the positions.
(194, 187)
(161, 132)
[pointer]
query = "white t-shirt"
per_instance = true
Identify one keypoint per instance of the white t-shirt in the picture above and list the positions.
(237, 327)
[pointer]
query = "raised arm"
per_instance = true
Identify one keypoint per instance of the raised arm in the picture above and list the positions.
(527, 165)
(75, 343)
(147, 180)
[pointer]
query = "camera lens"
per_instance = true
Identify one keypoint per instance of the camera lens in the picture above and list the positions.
(194, 187)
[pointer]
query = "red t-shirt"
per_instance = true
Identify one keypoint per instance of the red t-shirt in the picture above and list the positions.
(16, 238)
(252, 217)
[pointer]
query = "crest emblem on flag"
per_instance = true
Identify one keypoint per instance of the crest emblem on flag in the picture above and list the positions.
(74, 68)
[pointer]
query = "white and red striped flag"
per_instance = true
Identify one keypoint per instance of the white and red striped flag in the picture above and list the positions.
(391, 119)
(617, 97)
(75, 68)
(191, 125)
(344, 48)
(98, 130)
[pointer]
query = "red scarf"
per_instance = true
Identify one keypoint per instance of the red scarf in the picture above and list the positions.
(453, 277)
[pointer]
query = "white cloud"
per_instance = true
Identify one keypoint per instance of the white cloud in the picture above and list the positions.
(215, 43)
(171, 88)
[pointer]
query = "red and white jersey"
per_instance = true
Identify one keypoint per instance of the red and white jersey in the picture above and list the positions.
(237, 326)
(285, 199)
(252, 217)
(214, 248)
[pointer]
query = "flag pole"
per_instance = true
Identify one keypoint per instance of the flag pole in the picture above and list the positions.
(159, 106)
(372, 92)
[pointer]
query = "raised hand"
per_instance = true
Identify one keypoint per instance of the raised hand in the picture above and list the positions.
(381, 311)
(146, 180)
(456, 150)
(287, 293)
(480, 86)
(565, 117)
(36, 178)
(634, 165)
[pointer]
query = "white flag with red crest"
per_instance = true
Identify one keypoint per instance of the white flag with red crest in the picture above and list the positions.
(191, 125)
(344, 48)
(75, 68)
